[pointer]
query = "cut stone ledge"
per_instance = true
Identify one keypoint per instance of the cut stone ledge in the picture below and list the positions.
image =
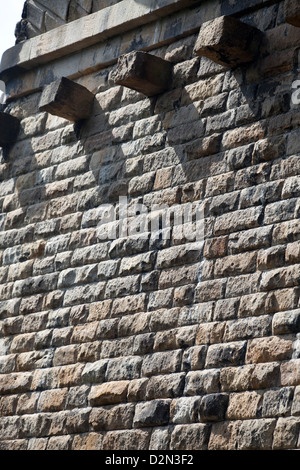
(9, 129)
(292, 12)
(228, 42)
(143, 72)
(67, 99)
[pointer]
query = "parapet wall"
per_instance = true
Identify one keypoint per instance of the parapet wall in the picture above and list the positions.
(150, 251)
(44, 15)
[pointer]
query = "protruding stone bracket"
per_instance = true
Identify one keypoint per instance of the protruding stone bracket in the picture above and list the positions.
(292, 12)
(228, 42)
(67, 99)
(143, 72)
(9, 129)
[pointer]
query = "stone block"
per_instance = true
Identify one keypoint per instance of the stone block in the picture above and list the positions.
(9, 129)
(244, 405)
(277, 402)
(108, 393)
(143, 72)
(133, 439)
(256, 434)
(227, 354)
(213, 407)
(153, 413)
(228, 42)
(202, 382)
(286, 322)
(67, 99)
(112, 417)
(292, 12)
(272, 348)
(286, 433)
(190, 437)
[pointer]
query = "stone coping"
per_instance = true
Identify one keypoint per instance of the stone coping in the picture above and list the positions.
(86, 31)
(96, 41)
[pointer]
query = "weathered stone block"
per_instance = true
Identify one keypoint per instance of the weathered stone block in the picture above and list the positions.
(213, 407)
(286, 433)
(130, 439)
(108, 393)
(292, 12)
(143, 72)
(166, 386)
(243, 405)
(67, 99)
(112, 417)
(190, 437)
(256, 434)
(202, 382)
(153, 413)
(228, 41)
(9, 129)
(272, 348)
(227, 354)
(277, 402)
(286, 322)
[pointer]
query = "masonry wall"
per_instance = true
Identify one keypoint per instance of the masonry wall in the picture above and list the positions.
(157, 339)
(45, 15)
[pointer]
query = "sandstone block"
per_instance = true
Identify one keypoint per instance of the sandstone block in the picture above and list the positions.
(258, 376)
(243, 405)
(194, 358)
(286, 433)
(112, 417)
(108, 393)
(9, 129)
(52, 400)
(277, 402)
(137, 390)
(123, 368)
(290, 372)
(256, 434)
(247, 328)
(143, 72)
(129, 439)
(292, 12)
(223, 435)
(161, 362)
(228, 41)
(185, 410)
(227, 354)
(169, 386)
(213, 407)
(190, 437)
(153, 413)
(272, 348)
(160, 438)
(94, 372)
(67, 99)
(202, 382)
(286, 322)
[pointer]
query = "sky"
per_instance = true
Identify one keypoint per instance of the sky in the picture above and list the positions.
(11, 13)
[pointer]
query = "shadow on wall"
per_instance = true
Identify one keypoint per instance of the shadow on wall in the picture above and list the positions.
(170, 149)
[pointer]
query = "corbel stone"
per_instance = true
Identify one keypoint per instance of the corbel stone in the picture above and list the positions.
(228, 42)
(292, 12)
(67, 99)
(143, 72)
(9, 129)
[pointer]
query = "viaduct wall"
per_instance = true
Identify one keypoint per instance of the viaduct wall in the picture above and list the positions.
(125, 321)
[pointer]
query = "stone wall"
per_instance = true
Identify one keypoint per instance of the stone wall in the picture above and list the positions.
(124, 334)
(44, 15)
